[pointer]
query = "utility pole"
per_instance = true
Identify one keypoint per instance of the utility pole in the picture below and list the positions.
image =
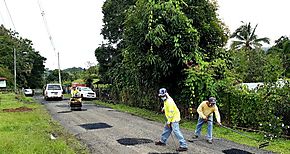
(14, 50)
(15, 86)
(50, 38)
(59, 77)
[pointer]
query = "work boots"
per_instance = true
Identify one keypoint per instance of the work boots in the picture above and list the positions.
(160, 143)
(209, 141)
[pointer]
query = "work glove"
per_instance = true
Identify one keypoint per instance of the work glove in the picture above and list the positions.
(168, 124)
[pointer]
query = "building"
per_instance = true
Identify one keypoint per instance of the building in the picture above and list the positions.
(3, 82)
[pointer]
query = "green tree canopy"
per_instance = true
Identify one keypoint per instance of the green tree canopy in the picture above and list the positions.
(29, 63)
(156, 42)
(282, 48)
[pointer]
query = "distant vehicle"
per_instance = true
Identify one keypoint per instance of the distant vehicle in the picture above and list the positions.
(53, 91)
(28, 92)
(86, 92)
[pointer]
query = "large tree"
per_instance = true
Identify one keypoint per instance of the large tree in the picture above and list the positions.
(29, 63)
(246, 38)
(156, 42)
(110, 53)
(282, 48)
(114, 16)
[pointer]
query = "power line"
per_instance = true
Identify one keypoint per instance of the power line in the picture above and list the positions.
(14, 50)
(46, 26)
(50, 38)
(9, 15)
(2, 18)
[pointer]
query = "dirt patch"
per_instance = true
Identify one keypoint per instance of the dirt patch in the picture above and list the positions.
(20, 109)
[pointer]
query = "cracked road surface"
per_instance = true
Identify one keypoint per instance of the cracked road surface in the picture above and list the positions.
(105, 130)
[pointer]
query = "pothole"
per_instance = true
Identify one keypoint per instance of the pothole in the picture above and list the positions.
(64, 111)
(63, 105)
(236, 151)
(133, 141)
(95, 126)
(163, 153)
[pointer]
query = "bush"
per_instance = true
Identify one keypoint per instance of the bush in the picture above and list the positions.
(267, 109)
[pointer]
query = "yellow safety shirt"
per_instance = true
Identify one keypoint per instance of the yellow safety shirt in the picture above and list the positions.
(171, 111)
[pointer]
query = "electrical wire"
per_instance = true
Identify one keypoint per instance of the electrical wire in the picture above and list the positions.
(46, 26)
(2, 18)
(50, 38)
(10, 15)
(14, 51)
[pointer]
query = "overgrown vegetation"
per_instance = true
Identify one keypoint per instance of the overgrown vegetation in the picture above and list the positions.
(30, 64)
(276, 145)
(29, 132)
(179, 45)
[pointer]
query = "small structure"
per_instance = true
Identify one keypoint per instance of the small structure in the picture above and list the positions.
(3, 83)
(78, 84)
(253, 86)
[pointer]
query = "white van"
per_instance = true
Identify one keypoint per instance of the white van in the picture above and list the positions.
(53, 91)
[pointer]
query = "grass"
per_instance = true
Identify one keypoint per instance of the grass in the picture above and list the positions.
(66, 95)
(29, 132)
(277, 145)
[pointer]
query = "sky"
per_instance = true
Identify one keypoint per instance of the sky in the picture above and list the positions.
(272, 16)
(75, 25)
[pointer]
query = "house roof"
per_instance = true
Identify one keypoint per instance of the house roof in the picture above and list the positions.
(1, 78)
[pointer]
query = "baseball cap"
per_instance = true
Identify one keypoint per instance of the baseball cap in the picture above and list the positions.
(212, 100)
(162, 92)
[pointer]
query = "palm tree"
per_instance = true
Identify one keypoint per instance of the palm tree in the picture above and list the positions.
(246, 38)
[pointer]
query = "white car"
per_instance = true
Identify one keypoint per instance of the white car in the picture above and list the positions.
(86, 92)
(28, 92)
(53, 91)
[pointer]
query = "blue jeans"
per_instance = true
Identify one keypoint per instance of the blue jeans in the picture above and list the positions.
(209, 127)
(175, 128)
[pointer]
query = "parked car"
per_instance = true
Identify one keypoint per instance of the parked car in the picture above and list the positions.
(53, 91)
(86, 92)
(28, 92)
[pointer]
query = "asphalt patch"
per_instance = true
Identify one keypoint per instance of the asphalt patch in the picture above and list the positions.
(66, 106)
(235, 151)
(82, 109)
(95, 126)
(163, 153)
(64, 111)
(133, 141)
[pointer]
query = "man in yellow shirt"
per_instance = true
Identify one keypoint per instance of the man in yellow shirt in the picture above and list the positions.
(205, 111)
(74, 92)
(173, 117)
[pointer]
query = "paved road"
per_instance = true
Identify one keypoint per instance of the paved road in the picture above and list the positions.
(105, 130)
